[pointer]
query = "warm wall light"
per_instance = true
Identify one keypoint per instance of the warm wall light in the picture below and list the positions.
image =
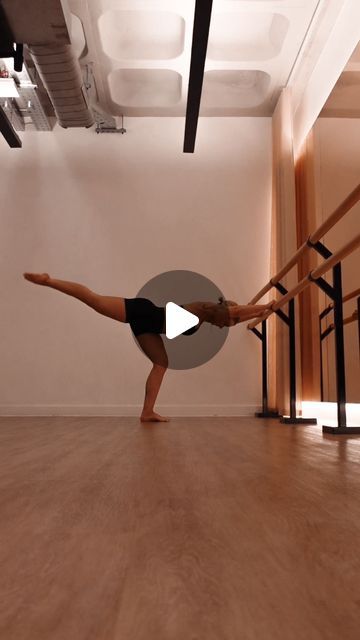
(8, 88)
(325, 412)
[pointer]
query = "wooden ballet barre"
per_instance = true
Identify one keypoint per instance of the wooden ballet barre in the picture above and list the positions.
(292, 262)
(349, 296)
(354, 316)
(261, 293)
(293, 292)
(352, 294)
(348, 320)
(310, 277)
(335, 258)
(341, 210)
(257, 321)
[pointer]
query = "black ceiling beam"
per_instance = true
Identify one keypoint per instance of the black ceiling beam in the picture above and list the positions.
(200, 38)
(6, 37)
(7, 49)
(8, 131)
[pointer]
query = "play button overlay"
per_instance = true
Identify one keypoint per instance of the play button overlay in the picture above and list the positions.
(170, 290)
(178, 320)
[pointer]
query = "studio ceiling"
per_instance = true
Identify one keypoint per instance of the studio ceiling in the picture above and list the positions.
(95, 61)
(140, 53)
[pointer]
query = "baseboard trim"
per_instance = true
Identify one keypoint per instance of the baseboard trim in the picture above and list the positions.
(128, 410)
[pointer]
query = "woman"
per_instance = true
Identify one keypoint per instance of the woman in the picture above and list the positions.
(147, 322)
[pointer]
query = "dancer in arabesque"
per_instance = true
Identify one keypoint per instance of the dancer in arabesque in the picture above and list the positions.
(147, 322)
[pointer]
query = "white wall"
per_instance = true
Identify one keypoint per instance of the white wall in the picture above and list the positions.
(111, 212)
(338, 144)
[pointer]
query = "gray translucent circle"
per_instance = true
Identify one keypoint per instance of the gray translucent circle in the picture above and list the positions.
(183, 287)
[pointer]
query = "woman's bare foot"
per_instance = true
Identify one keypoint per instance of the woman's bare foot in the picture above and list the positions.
(153, 417)
(37, 278)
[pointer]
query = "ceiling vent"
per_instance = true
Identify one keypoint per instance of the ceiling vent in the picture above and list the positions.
(61, 75)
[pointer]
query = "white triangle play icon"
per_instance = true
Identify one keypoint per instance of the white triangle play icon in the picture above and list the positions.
(178, 320)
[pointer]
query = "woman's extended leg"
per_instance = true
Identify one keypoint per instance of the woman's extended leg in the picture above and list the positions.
(153, 347)
(110, 306)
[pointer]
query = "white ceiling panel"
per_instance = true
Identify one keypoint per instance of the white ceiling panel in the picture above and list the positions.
(140, 50)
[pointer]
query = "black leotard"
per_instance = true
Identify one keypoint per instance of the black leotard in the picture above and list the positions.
(145, 317)
(189, 332)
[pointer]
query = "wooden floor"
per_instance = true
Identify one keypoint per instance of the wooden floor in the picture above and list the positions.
(202, 529)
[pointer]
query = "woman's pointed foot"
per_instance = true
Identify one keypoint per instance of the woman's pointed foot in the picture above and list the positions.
(153, 417)
(37, 278)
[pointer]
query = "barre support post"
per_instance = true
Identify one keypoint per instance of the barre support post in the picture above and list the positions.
(332, 261)
(335, 293)
(290, 322)
(265, 413)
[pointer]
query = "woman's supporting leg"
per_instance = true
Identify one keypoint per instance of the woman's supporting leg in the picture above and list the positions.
(110, 306)
(153, 347)
(152, 388)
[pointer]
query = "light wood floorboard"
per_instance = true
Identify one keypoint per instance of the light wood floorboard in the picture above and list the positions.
(201, 529)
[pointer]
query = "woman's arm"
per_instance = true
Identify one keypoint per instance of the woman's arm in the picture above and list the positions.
(222, 315)
(216, 314)
(241, 313)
